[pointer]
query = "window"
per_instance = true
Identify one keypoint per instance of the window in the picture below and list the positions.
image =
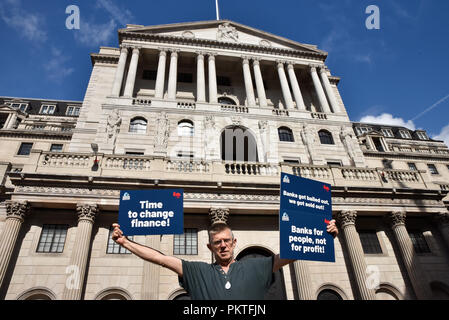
(378, 144)
(149, 75)
(447, 166)
(370, 242)
(419, 242)
(291, 161)
(285, 134)
(432, 169)
(138, 125)
(388, 164)
(226, 100)
(405, 134)
(185, 77)
(387, 133)
(223, 81)
(114, 248)
(186, 243)
(325, 137)
(73, 111)
(133, 153)
(183, 154)
(334, 163)
(47, 109)
(52, 238)
(19, 106)
(422, 135)
(186, 128)
(329, 294)
(25, 149)
(56, 148)
(412, 166)
(362, 130)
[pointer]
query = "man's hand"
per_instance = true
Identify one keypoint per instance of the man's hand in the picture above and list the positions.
(117, 234)
(332, 228)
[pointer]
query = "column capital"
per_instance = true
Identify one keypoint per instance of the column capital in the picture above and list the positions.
(218, 215)
(124, 48)
(246, 59)
(322, 68)
(17, 210)
(290, 65)
(280, 63)
(396, 218)
(211, 55)
(256, 61)
(163, 53)
(346, 217)
(200, 54)
(174, 52)
(87, 211)
(314, 67)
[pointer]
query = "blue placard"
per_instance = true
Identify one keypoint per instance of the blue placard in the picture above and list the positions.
(305, 212)
(151, 212)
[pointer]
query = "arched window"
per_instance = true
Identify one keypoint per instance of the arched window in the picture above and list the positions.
(185, 128)
(138, 125)
(226, 100)
(328, 294)
(325, 137)
(285, 134)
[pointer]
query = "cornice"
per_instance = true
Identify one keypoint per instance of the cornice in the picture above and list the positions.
(207, 43)
(44, 134)
(406, 155)
(104, 58)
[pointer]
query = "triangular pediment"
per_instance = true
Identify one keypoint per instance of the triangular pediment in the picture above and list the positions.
(224, 31)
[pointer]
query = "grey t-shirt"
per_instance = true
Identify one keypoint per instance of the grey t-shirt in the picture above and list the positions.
(249, 279)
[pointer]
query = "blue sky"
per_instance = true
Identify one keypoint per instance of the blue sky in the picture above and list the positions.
(397, 74)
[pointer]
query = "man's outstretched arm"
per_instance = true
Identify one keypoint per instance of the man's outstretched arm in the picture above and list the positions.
(147, 253)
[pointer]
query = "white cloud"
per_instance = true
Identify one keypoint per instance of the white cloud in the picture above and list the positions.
(55, 67)
(388, 119)
(92, 34)
(444, 135)
(27, 24)
(122, 16)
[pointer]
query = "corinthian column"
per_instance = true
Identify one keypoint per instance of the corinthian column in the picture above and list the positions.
(295, 86)
(259, 84)
(303, 281)
(409, 258)
(284, 86)
(319, 90)
(131, 79)
(212, 79)
(218, 215)
(442, 221)
(200, 78)
(120, 72)
(160, 77)
(173, 75)
(248, 83)
(15, 216)
(329, 90)
(346, 219)
(78, 260)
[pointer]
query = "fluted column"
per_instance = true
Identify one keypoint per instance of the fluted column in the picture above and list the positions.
(173, 75)
(160, 76)
(151, 272)
(132, 72)
(329, 90)
(15, 216)
(319, 90)
(442, 221)
(200, 78)
(248, 82)
(12, 121)
(303, 281)
(295, 86)
(259, 84)
(212, 79)
(346, 219)
(119, 73)
(284, 85)
(80, 253)
(408, 255)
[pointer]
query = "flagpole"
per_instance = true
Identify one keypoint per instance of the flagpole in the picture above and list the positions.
(216, 7)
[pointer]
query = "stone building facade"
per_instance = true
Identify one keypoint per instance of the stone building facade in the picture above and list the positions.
(219, 109)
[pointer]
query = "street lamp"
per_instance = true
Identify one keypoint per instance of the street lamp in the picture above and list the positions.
(94, 147)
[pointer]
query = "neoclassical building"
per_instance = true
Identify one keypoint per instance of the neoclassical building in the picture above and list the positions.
(219, 109)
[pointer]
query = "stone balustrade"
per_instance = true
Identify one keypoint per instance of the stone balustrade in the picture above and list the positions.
(318, 115)
(186, 166)
(65, 160)
(142, 102)
(126, 162)
(251, 169)
(234, 108)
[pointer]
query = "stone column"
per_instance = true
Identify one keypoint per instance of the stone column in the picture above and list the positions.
(160, 77)
(409, 258)
(12, 121)
(200, 78)
(15, 216)
(295, 86)
(259, 84)
(442, 221)
(117, 85)
(329, 90)
(151, 272)
(173, 75)
(212, 79)
(303, 281)
(132, 72)
(80, 253)
(319, 90)
(284, 85)
(251, 100)
(346, 219)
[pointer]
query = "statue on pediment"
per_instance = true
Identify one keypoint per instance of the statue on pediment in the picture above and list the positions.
(227, 32)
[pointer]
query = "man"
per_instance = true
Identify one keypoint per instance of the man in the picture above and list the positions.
(226, 279)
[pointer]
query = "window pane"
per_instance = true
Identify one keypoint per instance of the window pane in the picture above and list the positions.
(419, 242)
(113, 247)
(25, 149)
(370, 242)
(52, 238)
